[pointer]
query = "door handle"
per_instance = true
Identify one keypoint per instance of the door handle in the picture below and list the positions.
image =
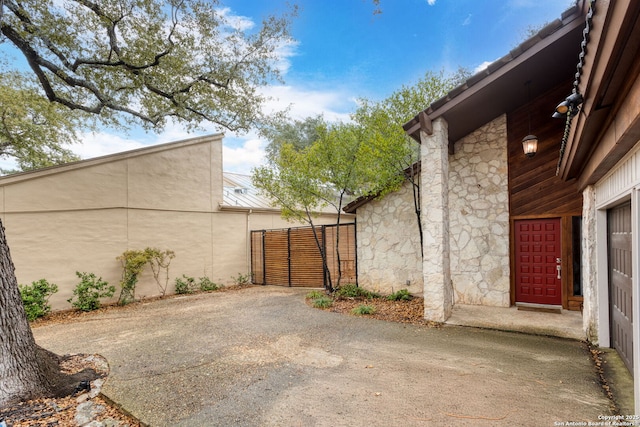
(558, 268)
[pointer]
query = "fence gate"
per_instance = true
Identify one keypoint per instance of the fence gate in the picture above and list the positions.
(291, 257)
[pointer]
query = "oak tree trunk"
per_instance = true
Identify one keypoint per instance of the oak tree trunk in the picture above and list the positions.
(26, 370)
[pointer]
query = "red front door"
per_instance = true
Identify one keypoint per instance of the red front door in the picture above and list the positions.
(538, 251)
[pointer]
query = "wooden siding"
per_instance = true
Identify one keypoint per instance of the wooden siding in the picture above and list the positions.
(290, 257)
(534, 189)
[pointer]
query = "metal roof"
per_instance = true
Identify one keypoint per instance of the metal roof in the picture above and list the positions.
(238, 191)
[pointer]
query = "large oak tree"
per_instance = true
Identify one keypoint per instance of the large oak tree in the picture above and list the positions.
(127, 62)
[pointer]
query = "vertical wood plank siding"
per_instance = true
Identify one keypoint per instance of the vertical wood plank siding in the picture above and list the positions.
(534, 189)
(290, 257)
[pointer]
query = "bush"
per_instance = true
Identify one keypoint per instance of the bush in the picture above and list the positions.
(35, 298)
(159, 261)
(363, 309)
(89, 291)
(315, 295)
(207, 285)
(322, 302)
(401, 295)
(354, 291)
(241, 279)
(133, 263)
(185, 285)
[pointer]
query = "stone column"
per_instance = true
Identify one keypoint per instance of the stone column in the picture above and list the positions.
(589, 265)
(438, 291)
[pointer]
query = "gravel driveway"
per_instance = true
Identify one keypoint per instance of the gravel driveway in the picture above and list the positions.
(261, 357)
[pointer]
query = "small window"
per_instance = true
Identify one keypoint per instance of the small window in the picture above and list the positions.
(576, 233)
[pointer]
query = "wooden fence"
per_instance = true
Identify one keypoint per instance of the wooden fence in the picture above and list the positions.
(291, 257)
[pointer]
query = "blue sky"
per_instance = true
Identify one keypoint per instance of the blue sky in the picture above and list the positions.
(343, 51)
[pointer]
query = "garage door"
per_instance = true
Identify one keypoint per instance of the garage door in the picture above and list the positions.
(619, 223)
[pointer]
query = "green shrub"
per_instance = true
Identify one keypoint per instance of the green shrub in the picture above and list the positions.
(315, 295)
(322, 302)
(35, 298)
(89, 291)
(354, 291)
(185, 285)
(207, 285)
(133, 263)
(363, 309)
(401, 295)
(159, 261)
(241, 279)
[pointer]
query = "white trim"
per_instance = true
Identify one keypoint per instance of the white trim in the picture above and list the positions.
(635, 292)
(620, 184)
(602, 268)
(620, 180)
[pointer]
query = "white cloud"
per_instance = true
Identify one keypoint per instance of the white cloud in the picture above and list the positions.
(333, 105)
(284, 52)
(237, 22)
(101, 144)
(482, 66)
(243, 158)
(431, 2)
(241, 153)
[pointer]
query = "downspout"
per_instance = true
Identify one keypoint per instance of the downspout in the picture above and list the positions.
(248, 247)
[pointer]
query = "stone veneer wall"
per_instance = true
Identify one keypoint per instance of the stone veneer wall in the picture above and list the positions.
(389, 244)
(590, 314)
(479, 217)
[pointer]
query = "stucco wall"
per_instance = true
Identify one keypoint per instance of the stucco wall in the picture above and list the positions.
(80, 217)
(389, 244)
(479, 217)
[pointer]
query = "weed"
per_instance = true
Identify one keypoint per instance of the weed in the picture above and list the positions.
(315, 295)
(185, 285)
(89, 291)
(241, 279)
(207, 285)
(363, 309)
(401, 295)
(35, 298)
(322, 302)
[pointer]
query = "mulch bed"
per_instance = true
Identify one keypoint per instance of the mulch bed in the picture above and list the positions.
(403, 311)
(52, 412)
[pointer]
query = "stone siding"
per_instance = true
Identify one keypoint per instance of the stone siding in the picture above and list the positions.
(389, 244)
(590, 265)
(438, 292)
(479, 217)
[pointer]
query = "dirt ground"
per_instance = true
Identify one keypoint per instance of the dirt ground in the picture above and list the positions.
(61, 411)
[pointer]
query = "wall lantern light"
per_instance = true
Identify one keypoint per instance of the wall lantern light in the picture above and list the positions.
(530, 145)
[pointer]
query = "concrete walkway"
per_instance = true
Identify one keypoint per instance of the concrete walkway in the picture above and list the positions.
(567, 324)
(261, 357)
